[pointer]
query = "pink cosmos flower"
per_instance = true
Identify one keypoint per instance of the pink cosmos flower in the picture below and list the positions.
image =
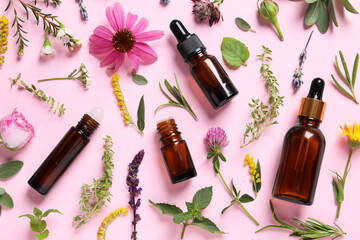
(127, 37)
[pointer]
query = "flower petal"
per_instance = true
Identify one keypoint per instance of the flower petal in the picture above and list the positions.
(144, 52)
(119, 15)
(149, 36)
(130, 21)
(99, 50)
(134, 60)
(110, 58)
(111, 18)
(99, 41)
(119, 61)
(140, 26)
(103, 32)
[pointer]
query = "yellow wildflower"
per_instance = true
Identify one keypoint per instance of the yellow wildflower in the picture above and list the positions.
(109, 219)
(353, 134)
(254, 173)
(4, 32)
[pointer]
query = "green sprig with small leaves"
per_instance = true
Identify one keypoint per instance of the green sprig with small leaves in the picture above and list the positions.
(95, 195)
(193, 217)
(349, 81)
(179, 100)
(311, 228)
(37, 224)
(264, 115)
(57, 107)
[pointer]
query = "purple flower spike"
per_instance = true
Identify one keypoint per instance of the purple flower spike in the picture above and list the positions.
(216, 139)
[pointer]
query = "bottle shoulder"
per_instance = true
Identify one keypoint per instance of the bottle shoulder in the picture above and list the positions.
(307, 131)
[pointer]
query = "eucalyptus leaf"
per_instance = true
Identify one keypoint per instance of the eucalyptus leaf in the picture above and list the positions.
(6, 200)
(323, 21)
(234, 52)
(242, 24)
(312, 13)
(9, 169)
(139, 79)
(141, 114)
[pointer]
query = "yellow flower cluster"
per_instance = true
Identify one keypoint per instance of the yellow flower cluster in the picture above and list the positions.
(121, 99)
(109, 219)
(353, 134)
(4, 32)
(255, 176)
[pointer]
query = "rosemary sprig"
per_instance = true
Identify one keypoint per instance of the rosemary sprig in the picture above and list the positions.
(179, 100)
(312, 228)
(350, 82)
(55, 2)
(60, 108)
(264, 115)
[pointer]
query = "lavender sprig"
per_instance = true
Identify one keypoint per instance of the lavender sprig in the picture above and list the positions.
(165, 1)
(297, 81)
(132, 181)
(83, 11)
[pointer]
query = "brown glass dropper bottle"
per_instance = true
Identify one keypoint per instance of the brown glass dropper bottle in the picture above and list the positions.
(302, 151)
(69, 147)
(205, 69)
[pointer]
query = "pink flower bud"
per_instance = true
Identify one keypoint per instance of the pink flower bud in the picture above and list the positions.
(15, 131)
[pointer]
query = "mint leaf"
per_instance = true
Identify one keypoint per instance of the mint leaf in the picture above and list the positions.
(43, 235)
(31, 217)
(190, 206)
(46, 213)
(243, 25)
(182, 217)
(37, 212)
(207, 225)
(167, 209)
(234, 52)
(139, 79)
(9, 169)
(202, 198)
(245, 198)
(6, 200)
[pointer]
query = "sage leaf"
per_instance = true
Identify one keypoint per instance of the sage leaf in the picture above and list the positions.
(2, 191)
(6, 200)
(42, 235)
(139, 79)
(323, 21)
(234, 52)
(349, 7)
(243, 25)
(167, 209)
(245, 198)
(182, 217)
(311, 1)
(332, 11)
(141, 114)
(312, 14)
(0, 210)
(202, 198)
(207, 225)
(9, 169)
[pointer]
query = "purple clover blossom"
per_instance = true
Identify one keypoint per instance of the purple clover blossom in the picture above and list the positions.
(205, 9)
(216, 139)
(132, 181)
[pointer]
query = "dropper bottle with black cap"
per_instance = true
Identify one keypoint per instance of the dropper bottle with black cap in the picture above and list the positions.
(205, 69)
(302, 151)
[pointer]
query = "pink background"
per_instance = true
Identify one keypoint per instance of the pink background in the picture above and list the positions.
(127, 142)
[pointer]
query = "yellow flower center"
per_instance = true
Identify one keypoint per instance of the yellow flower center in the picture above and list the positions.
(123, 41)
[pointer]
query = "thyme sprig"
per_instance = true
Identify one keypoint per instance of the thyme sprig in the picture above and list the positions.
(311, 228)
(58, 107)
(264, 115)
(179, 100)
(96, 194)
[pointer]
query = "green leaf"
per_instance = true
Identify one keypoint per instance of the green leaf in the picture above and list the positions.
(222, 212)
(333, 14)
(42, 235)
(35, 225)
(37, 212)
(335, 189)
(46, 213)
(182, 217)
(9, 169)
(216, 163)
(167, 209)
(202, 198)
(139, 79)
(245, 198)
(31, 217)
(311, 1)
(242, 24)
(349, 7)
(312, 13)
(222, 157)
(207, 225)
(341, 88)
(323, 21)
(198, 216)
(355, 68)
(234, 52)
(141, 114)
(210, 155)
(258, 170)
(6, 200)
(345, 68)
(0, 210)
(2, 191)
(190, 206)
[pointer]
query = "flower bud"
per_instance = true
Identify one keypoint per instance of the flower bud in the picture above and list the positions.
(47, 49)
(268, 10)
(15, 131)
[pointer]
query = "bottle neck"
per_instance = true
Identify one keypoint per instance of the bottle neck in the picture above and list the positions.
(168, 131)
(196, 56)
(311, 122)
(87, 125)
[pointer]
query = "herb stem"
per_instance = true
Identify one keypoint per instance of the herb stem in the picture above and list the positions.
(183, 230)
(134, 236)
(50, 79)
(346, 171)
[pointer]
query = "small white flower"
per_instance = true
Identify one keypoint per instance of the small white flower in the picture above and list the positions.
(64, 34)
(47, 49)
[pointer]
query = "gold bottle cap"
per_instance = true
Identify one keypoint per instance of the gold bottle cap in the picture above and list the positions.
(312, 108)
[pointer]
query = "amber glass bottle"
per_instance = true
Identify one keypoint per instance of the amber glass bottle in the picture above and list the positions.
(175, 152)
(205, 69)
(64, 153)
(302, 151)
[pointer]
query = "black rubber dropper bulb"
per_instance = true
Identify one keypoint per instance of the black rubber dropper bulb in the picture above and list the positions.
(179, 30)
(316, 89)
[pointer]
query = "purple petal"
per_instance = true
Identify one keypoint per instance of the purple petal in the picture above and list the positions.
(140, 26)
(144, 52)
(103, 32)
(110, 58)
(111, 18)
(119, 15)
(130, 21)
(99, 41)
(149, 36)
(99, 50)
(119, 61)
(134, 60)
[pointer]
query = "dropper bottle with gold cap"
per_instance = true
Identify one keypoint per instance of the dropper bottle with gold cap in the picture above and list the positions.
(302, 151)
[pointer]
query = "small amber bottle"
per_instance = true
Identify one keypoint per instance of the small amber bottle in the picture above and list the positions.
(205, 69)
(175, 152)
(302, 151)
(65, 152)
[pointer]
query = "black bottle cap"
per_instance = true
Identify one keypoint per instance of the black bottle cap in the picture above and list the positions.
(188, 44)
(316, 89)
